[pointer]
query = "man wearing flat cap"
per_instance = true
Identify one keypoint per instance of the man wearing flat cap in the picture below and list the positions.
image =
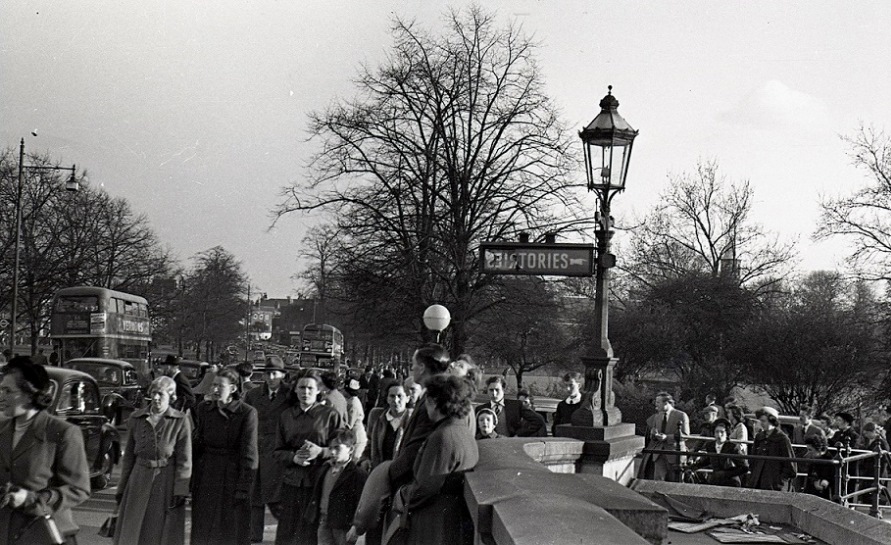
(663, 433)
(185, 398)
(270, 400)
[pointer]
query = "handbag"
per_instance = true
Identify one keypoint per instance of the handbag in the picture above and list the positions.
(41, 530)
(107, 529)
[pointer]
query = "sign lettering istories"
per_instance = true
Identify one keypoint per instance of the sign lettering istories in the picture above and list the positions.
(537, 259)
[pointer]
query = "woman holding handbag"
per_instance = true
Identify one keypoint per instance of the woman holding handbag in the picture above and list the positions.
(43, 463)
(156, 471)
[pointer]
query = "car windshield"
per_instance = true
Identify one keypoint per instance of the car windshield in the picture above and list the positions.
(105, 374)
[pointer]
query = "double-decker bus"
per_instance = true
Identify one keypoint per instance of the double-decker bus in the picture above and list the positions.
(89, 322)
(321, 347)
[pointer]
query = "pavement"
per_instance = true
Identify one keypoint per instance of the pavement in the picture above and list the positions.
(92, 513)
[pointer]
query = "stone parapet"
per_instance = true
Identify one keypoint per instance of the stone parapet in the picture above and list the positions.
(820, 518)
(514, 498)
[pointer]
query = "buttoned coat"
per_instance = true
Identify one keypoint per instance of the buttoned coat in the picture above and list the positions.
(267, 484)
(772, 474)
(376, 422)
(677, 421)
(344, 497)
(317, 424)
(50, 460)
(224, 453)
(157, 466)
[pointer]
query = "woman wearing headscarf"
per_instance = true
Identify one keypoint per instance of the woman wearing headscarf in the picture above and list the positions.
(355, 417)
(42, 457)
(156, 471)
(226, 460)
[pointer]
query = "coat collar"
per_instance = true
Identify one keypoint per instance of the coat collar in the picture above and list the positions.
(169, 413)
(36, 432)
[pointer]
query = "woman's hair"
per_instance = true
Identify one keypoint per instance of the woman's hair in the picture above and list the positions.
(31, 379)
(819, 442)
(434, 357)
(736, 414)
(466, 369)
(308, 373)
(576, 376)
(234, 379)
(450, 395)
(164, 384)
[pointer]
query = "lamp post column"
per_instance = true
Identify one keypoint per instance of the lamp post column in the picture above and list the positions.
(600, 364)
(17, 251)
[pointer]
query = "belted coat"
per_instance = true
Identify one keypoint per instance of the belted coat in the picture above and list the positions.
(157, 466)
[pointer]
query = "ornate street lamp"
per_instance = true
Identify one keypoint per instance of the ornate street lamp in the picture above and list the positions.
(437, 318)
(607, 142)
(70, 185)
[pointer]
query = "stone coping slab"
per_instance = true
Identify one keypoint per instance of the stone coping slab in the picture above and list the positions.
(820, 518)
(509, 473)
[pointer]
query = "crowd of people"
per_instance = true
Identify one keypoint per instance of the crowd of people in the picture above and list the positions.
(726, 436)
(301, 447)
(335, 457)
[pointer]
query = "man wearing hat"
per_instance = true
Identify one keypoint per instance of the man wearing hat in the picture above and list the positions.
(771, 441)
(270, 400)
(663, 433)
(185, 398)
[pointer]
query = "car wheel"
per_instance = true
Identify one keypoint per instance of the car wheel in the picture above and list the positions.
(103, 479)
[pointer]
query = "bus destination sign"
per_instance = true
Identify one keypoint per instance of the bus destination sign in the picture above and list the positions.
(537, 259)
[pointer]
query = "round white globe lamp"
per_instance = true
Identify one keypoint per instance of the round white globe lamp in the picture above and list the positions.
(437, 318)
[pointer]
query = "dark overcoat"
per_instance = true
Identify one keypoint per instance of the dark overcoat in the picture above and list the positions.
(50, 460)
(434, 501)
(157, 466)
(772, 474)
(677, 420)
(344, 496)
(225, 458)
(267, 484)
(725, 471)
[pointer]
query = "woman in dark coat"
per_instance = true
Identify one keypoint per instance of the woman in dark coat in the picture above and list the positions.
(771, 441)
(42, 457)
(431, 509)
(225, 454)
(155, 473)
(820, 477)
(725, 471)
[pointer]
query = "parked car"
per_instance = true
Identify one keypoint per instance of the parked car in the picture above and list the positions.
(193, 370)
(117, 379)
(77, 399)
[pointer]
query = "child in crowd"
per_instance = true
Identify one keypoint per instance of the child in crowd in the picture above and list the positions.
(337, 491)
(486, 420)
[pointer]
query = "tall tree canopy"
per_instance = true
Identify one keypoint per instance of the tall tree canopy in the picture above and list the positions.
(864, 216)
(449, 142)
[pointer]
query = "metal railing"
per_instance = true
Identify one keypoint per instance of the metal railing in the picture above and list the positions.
(845, 464)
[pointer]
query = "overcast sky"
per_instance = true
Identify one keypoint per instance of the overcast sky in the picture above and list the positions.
(195, 111)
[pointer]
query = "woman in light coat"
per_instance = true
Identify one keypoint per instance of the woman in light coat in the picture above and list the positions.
(42, 457)
(155, 473)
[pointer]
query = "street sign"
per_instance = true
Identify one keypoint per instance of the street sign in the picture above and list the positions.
(537, 259)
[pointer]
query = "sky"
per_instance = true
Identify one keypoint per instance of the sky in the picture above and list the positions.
(196, 112)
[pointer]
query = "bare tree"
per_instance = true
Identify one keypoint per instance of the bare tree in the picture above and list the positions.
(864, 217)
(450, 142)
(702, 225)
